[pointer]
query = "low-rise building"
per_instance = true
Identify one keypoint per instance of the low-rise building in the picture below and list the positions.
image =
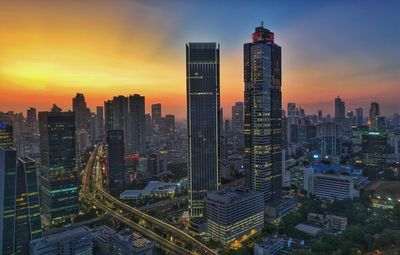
(78, 241)
(233, 214)
(335, 222)
(130, 243)
(309, 230)
(102, 239)
(269, 246)
(280, 207)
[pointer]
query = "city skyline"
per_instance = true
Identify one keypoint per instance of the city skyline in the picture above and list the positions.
(48, 57)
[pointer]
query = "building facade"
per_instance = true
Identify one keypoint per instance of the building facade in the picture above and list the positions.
(263, 113)
(137, 136)
(115, 160)
(203, 104)
(58, 173)
(234, 213)
(28, 224)
(8, 183)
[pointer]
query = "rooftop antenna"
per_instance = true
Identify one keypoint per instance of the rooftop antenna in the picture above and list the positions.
(262, 23)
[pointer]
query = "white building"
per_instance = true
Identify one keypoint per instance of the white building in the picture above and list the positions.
(234, 213)
(336, 187)
(78, 241)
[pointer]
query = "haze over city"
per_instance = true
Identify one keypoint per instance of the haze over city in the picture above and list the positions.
(49, 50)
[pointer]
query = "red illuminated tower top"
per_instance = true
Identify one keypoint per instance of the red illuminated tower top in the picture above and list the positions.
(262, 35)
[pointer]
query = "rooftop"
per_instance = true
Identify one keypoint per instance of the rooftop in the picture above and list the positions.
(231, 194)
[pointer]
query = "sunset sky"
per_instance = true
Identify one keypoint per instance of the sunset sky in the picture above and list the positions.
(49, 50)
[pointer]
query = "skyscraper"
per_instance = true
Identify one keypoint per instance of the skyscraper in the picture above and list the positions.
(59, 177)
(263, 113)
(359, 116)
(27, 225)
(339, 108)
(116, 152)
(137, 136)
(170, 123)
(79, 106)
(8, 181)
(108, 115)
(340, 113)
(6, 132)
(203, 104)
(156, 115)
(31, 118)
(374, 111)
(237, 117)
(120, 116)
(100, 121)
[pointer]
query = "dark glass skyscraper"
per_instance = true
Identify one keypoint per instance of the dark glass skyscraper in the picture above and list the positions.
(237, 117)
(8, 181)
(203, 104)
(374, 111)
(108, 115)
(59, 177)
(6, 132)
(116, 152)
(156, 115)
(263, 114)
(27, 225)
(120, 116)
(137, 136)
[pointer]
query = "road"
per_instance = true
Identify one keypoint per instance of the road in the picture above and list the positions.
(98, 196)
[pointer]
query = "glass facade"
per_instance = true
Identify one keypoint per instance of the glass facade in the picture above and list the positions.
(28, 225)
(203, 92)
(263, 114)
(59, 177)
(6, 133)
(8, 169)
(115, 142)
(137, 134)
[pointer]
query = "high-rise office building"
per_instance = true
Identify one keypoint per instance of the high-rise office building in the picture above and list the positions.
(59, 175)
(31, 119)
(6, 132)
(116, 152)
(169, 123)
(374, 147)
(120, 117)
(359, 116)
(137, 136)
(148, 125)
(339, 109)
(203, 104)
(108, 115)
(291, 109)
(28, 224)
(340, 113)
(263, 113)
(156, 115)
(320, 116)
(81, 110)
(237, 117)
(100, 121)
(374, 111)
(8, 181)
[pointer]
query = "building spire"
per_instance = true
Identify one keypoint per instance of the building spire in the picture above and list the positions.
(262, 23)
